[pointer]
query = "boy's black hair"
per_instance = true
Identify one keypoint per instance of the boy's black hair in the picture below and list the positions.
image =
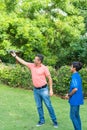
(77, 65)
(41, 57)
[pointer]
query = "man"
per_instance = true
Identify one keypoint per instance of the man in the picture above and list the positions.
(39, 74)
(75, 95)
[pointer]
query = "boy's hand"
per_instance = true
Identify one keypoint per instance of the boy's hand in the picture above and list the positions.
(67, 96)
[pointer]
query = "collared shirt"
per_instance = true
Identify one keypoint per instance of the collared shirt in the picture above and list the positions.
(76, 82)
(39, 74)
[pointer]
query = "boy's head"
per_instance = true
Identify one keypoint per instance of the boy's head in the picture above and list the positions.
(76, 66)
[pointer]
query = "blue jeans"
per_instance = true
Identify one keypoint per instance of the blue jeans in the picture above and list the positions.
(75, 117)
(43, 95)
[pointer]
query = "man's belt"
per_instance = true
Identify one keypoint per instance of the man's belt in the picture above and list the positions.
(44, 86)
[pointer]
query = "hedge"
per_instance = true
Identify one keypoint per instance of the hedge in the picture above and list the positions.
(16, 76)
(20, 76)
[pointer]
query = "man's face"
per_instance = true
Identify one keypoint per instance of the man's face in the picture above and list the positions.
(37, 60)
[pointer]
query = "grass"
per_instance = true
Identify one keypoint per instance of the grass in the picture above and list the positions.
(18, 111)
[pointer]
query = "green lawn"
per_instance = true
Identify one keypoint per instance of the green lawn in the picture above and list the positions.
(18, 111)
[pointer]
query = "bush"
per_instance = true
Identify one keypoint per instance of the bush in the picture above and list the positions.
(83, 73)
(16, 76)
(61, 79)
(20, 76)
(63, 75)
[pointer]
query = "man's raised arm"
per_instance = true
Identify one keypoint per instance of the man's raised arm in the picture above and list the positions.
(19, 59)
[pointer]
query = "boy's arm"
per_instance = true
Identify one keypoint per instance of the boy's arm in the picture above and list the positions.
(72, 92)
(68, 95)
(75, 88)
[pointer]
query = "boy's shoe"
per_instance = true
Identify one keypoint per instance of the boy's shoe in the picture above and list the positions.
(40, 123)
(55, 124)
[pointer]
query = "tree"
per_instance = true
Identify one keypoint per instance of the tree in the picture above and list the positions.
(56, 28)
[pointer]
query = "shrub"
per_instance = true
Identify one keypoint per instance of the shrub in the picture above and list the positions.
(61, 79)
(83, 73)
(20, 76)
(16, 76)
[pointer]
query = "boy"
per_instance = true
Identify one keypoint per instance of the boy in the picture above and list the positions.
(75, 95)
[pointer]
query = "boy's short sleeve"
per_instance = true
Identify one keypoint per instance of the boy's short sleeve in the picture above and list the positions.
(74, 83)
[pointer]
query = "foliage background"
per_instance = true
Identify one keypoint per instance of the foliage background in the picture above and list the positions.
(19, 76)
(55, 28)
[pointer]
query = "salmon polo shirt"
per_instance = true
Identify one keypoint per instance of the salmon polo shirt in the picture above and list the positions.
(39, 74)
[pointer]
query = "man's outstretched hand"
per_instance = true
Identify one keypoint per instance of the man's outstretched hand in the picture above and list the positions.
(13, 53)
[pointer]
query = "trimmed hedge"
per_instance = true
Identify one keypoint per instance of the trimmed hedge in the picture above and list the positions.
(16, 76)
(83, 73)
(61, 79)
(20, 76)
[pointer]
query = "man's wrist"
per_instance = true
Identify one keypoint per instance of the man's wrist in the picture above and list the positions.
(15, 55)
(51, 88)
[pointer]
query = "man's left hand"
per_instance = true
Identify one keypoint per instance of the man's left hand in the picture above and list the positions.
(51, 92)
